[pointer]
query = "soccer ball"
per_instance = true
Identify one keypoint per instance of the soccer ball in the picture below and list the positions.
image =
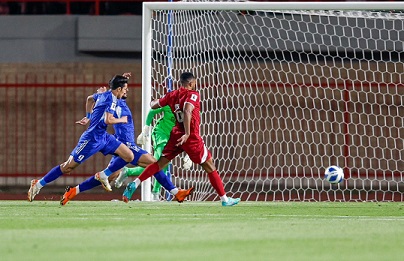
(334, 174)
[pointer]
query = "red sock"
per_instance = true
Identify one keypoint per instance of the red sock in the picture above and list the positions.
(149, 171)
(216, 182)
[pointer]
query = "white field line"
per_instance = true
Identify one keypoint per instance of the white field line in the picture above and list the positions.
(83, 216)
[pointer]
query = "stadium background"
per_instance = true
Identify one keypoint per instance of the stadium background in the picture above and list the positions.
(48, 65)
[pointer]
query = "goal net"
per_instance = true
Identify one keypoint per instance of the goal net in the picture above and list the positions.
(287, 90)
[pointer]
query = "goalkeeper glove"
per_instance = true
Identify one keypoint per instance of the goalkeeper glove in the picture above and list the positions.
(143, 137)
(186, 162)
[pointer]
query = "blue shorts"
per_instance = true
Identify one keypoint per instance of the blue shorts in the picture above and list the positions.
(88, 146)
(137, 153)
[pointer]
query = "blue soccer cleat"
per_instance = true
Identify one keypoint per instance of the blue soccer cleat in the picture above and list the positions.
(231, 202)
(127, 194)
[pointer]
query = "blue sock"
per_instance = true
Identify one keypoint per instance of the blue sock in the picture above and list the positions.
(115, 165)
(107, 172)
(168, 196)
(164, 180)
(53, 174)
(89, 184)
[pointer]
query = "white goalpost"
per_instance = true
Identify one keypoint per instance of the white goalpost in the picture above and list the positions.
(287, 89)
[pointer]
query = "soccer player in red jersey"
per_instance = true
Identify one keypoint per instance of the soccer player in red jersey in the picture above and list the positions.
(185, 136)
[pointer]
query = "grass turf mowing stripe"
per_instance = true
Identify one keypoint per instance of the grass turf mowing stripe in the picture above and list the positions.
(83, 230)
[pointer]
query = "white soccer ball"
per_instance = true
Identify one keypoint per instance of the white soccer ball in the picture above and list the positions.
(334, 174)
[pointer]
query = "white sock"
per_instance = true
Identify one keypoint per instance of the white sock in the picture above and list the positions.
(137, 182)
(174, 191)
(103, 175)
(77, 189)
(224, 198)
(38, 185)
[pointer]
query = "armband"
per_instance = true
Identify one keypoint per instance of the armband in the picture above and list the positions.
(88, 115)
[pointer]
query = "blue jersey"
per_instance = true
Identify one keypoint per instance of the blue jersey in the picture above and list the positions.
(124, 132)
(104, 102)
(96, 138)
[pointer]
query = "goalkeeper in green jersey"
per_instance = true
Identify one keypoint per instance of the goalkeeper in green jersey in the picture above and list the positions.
(160, 135)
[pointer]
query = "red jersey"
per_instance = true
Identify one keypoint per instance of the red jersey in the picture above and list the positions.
(177, 100)
(194, 146)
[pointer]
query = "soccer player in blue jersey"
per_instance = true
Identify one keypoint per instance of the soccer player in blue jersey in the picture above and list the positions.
(124, 133)
(95, 138)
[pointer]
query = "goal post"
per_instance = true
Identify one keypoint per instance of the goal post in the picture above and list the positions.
(146, 91)
(287, 89)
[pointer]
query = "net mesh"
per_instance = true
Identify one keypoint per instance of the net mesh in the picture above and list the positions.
(285, 94)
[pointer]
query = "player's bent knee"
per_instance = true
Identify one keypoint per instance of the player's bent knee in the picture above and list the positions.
(125, 153)
(129, 158)
(147, 159)
(208, 166)
(68, 166)
(66, 169)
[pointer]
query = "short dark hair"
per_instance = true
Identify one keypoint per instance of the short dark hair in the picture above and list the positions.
(117, 81)
(186, 77)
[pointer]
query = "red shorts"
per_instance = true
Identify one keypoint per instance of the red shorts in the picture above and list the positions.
(194, 147)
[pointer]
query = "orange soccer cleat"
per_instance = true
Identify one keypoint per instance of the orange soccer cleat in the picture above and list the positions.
(69, 195)
(183, 193)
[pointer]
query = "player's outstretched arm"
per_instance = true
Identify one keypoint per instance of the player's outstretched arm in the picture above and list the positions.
(144, 136)
(110, 119)
(83, 121)
(89, 108)
(90, 102)
(151, 114)
(154, 104)
(101, 89)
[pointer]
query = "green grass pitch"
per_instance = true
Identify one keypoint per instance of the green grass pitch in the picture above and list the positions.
(96, 230)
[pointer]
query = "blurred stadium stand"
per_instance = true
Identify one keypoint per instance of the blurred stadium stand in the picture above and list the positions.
(87, 7)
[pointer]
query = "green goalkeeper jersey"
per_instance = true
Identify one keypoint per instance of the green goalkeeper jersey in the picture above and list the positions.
(164, 125)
